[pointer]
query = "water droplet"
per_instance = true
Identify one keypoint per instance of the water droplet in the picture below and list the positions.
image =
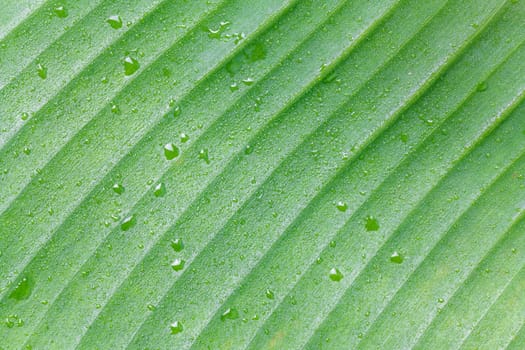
(248, 149)
(118, 188)
(131, 65)
(115, 109)
(115, 21)
(27, 150)
(482, 86)
(60, 11)
(177, 264)
(128, 223)
(230, 314)
(371, 224)
(23, 289)
(234, 87)
(269, 294)
(396, 258)
(248, 81)
(341, 206)
(332, 244)
(160, 190)
(177, 111)
(176, 327)
(216, 33)
(151, 307)
(24, 116)
(441, 300)
(177, 244)
(335, 275)
(171, 151)
(184, 137)
(41, 71)
(203, 154)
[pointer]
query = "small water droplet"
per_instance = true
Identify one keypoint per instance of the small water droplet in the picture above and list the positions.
(248, 81)
(160, 190)
(177, 111)
(171, 151)
(203, 154)
(115, 21)
(482, 86)
(23, 289)
(24, 116)
(178, 264)
(216, 33)
(335, 275)
(269, 294)
(248, 149)
(332, 244)
(41, 71)
(115, 109)
(177, 244)
(441, 300)
(234, 87)
(341, 206)
(60, 11)
(128, 223)
(151, 307)
(176, 327)
(371, 224)
(118, 188)
(184, 137)
(396, 258)
(229, 314)
(27, 150)
(131, 65)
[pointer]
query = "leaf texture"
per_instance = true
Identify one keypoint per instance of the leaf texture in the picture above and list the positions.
(262, 174)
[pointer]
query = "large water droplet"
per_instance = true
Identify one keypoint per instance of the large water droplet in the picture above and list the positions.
(160, 190)
(131, 65)
(23, 289)
(177, 244)
(341, 206)
(371, 224)
(396, 258)
(230, 314)
(60, 11)
(177, 264)
(176, 327)
(115, 21)
(118, 188)
(335, 275)
(41, 70)
(128, 223)
(171, 151)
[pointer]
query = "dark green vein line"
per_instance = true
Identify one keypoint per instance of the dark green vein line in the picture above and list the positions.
(495, 181)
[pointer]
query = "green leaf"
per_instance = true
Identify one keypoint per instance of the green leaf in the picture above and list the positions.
(262, 174)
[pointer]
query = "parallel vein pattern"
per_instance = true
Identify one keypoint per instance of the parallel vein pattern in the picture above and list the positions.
(270, 174)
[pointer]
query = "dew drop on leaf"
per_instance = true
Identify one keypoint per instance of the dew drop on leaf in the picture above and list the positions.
(115, 21)
(41, 71)
(171, 151)
(230, 314)
(160, 190)
(269, 294)
(131, 65)
(118, 188)
(60, 11)
(176, 327)
(203, 154)
(23, 289)
(341, 206)
(396, 258)
(177, 264)
(177, 244)
(335, 275)
(371, 224)
(128, 223)
(184, 137)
